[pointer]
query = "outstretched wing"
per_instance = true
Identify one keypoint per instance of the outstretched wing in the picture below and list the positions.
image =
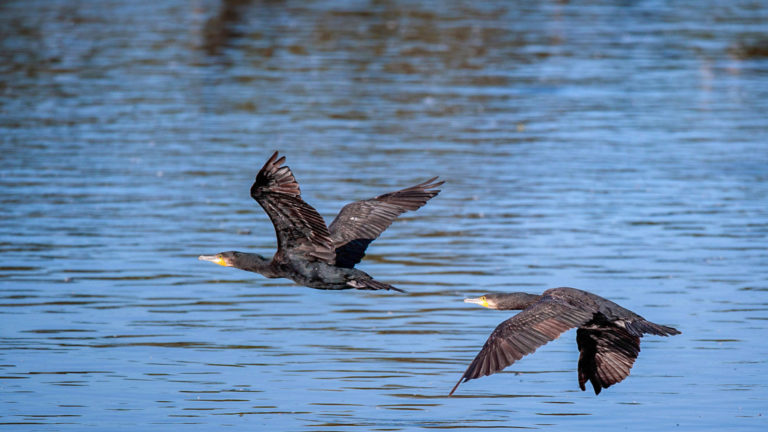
(608, 351)
(298, 226)
(607, 354)
(361, 222)
(523, 334)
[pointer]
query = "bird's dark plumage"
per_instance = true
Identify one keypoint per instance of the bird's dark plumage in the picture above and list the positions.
(606, 354)
(608, 335)
(311, 253)
(299, 228)
(361, 222)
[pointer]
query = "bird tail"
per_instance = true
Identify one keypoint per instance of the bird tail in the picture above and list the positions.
(642, 326)
(372, 284)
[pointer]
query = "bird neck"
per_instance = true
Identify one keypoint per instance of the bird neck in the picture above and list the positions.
(255, 263)
(516, 301)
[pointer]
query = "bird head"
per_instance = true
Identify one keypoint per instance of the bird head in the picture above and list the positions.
(226, 259)
(242, 260)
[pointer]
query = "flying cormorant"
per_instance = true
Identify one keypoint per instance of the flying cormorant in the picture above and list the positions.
(608, 335)
(311, 253)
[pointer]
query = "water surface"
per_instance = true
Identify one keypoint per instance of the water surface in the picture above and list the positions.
(618, 147)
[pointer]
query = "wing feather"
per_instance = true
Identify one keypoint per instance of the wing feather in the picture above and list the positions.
(298, 226)
(607, 353)
(523, 334)
(361, 222)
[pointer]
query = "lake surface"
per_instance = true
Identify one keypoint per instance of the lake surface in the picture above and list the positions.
(618, 147)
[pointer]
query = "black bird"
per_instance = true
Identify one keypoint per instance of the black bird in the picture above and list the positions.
(608, 335)
(311, 253)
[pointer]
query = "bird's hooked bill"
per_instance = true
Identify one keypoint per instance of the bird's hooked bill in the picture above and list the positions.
(482, 301)
(213, 258)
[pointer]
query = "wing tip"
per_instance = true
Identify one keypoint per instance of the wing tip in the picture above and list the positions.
(462, 379)
(431, 184)
(274, 177)
(272, 161)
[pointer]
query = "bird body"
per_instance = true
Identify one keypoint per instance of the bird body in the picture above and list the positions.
(320, 275)
(608, 335)
(311, 253)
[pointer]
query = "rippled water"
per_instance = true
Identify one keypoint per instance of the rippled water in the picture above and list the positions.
(620, 147)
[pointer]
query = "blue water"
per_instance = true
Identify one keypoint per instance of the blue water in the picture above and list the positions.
(618, 147)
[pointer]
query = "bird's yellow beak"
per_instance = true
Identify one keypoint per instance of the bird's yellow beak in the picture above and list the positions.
(482, 301)
(216, 259)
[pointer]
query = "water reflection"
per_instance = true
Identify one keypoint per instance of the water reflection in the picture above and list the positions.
(223, 28)
(614, 147)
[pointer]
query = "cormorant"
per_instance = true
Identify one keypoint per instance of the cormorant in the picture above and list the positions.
(311, 253)
(608, 335)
